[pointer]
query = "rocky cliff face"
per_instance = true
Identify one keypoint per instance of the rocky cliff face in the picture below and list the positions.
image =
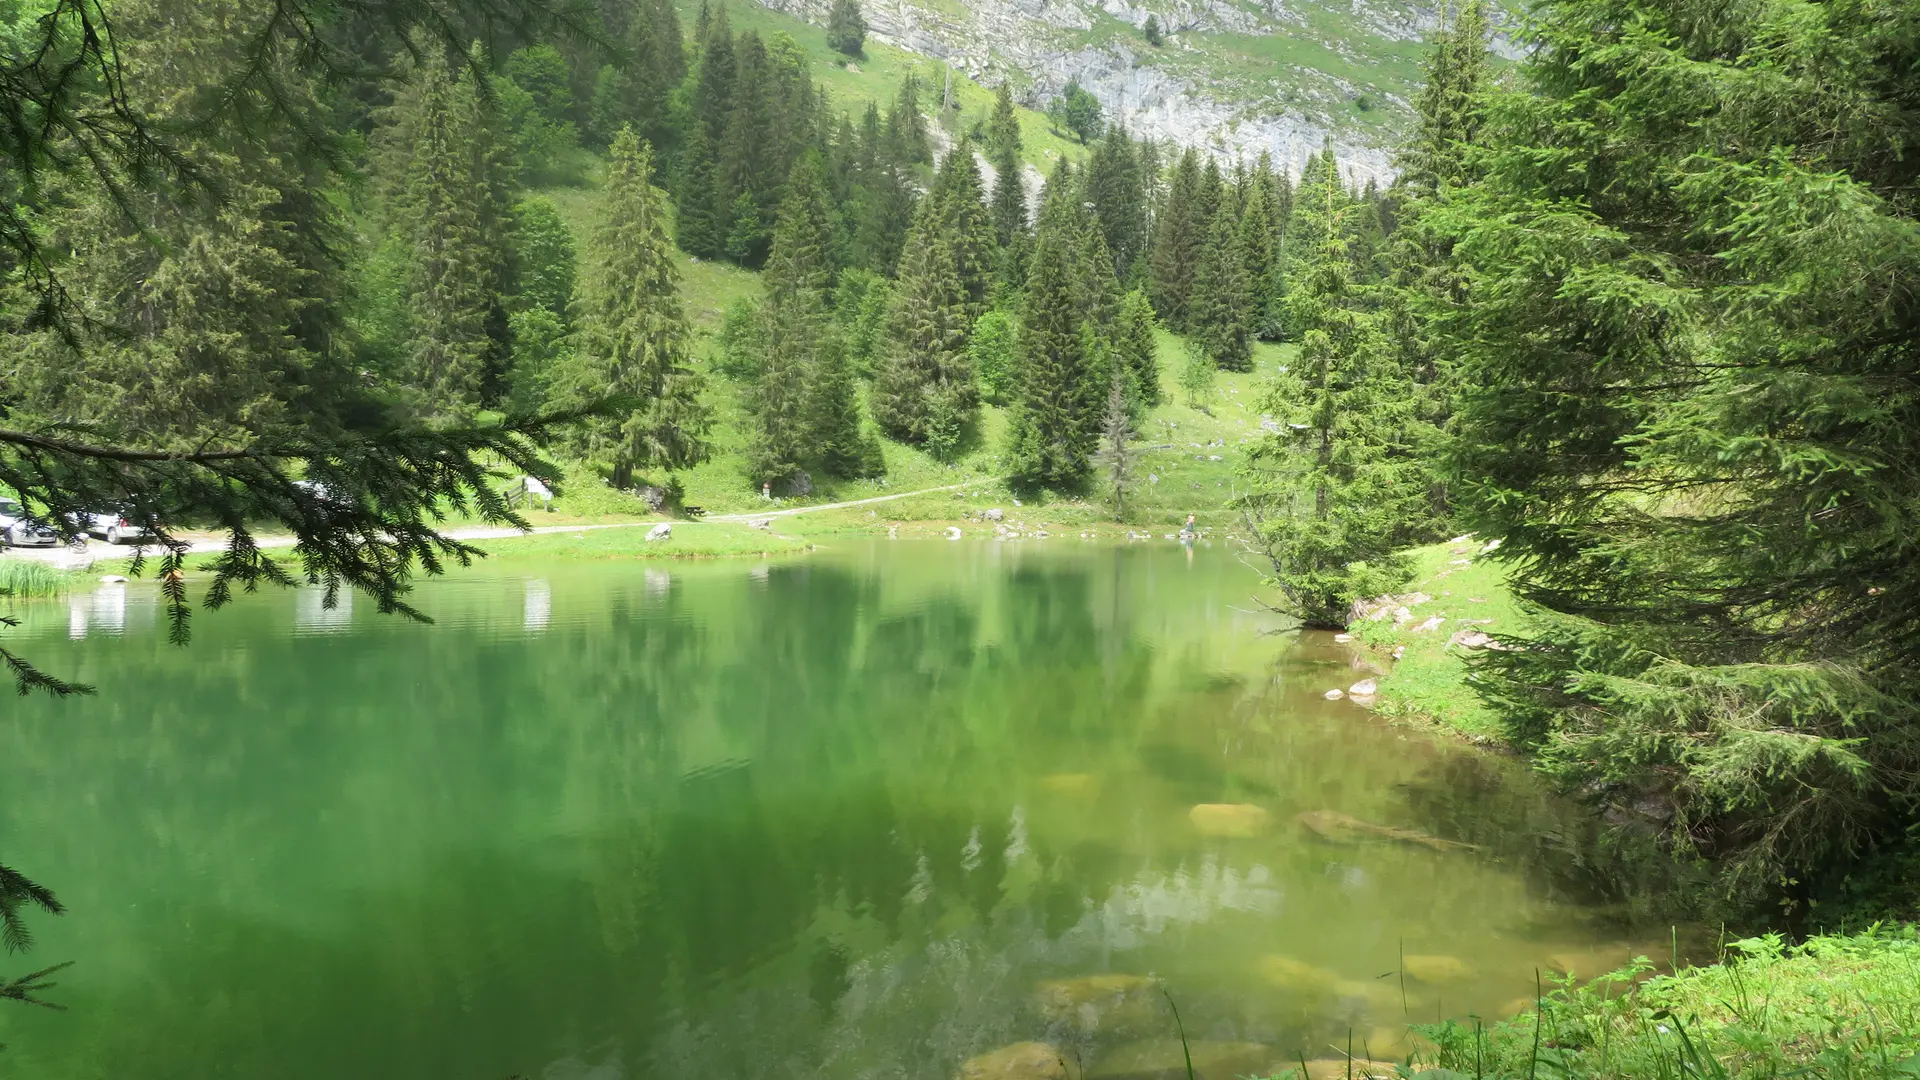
(1237, 77)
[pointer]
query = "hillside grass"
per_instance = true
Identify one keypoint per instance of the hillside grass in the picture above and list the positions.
(1177, 442)
(1467, 591)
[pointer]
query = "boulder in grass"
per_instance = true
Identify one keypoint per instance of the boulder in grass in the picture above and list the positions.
(662, 531)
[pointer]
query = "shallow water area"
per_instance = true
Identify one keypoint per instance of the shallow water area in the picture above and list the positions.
(873, 812)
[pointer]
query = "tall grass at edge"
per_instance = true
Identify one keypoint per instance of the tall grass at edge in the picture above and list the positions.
(26, 578)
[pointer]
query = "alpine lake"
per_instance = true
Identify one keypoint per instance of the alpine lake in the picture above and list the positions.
(907, 809)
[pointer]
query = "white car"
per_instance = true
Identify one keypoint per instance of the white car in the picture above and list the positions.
(18, 530)
(115, 528)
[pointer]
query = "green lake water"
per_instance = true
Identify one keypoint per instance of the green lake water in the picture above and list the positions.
(865, 814)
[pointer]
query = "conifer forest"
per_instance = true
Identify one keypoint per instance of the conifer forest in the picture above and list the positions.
(1635, 312)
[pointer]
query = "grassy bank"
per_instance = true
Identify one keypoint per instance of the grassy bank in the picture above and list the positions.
(1845, 1007)
(690, 540)
(1456, 593)
(1836, 1006)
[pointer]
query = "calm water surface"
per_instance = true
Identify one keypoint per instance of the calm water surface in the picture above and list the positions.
(862, 815)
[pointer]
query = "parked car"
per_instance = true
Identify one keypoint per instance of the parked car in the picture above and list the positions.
(18, 530)
(115, 528)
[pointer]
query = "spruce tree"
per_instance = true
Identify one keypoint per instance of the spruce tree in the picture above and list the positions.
(714, 84)
(1096, 289)
(1138, 347)
(833, 414)
(1418, 257)
(847, 28)
(1451, 107)
(638, 91)
(1688, 409)
(1177, 243)
(1260, 232)
(701, 222)
(1009, 186)
(789, 401)
(962, 217)
(924, 365)
(1221, 311)
(1328, 489)
(1320, 187)
(451, 278)
(635, 345)
(906, 127)
(1050, 432)
(748, 157)
(1119, 198)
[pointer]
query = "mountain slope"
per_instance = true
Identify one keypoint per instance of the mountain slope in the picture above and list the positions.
(1238, 77)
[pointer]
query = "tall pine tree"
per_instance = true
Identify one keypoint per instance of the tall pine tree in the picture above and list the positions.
(453, 279)
(1119, 198)
(1051, 432)
(1327, 490)
(1178, 240)
(925, 374)
(1221, 311)
(634, 347)
(795, 319)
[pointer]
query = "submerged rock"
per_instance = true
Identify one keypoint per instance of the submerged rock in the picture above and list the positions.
(1021, 1061)
(1166, 1059)
(1334, 694)
(1435, 970)
(1101, 1004)
(1071, 783)
(1592, 962)
(1298, 976)
(1232, 820)
(1339, 828)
